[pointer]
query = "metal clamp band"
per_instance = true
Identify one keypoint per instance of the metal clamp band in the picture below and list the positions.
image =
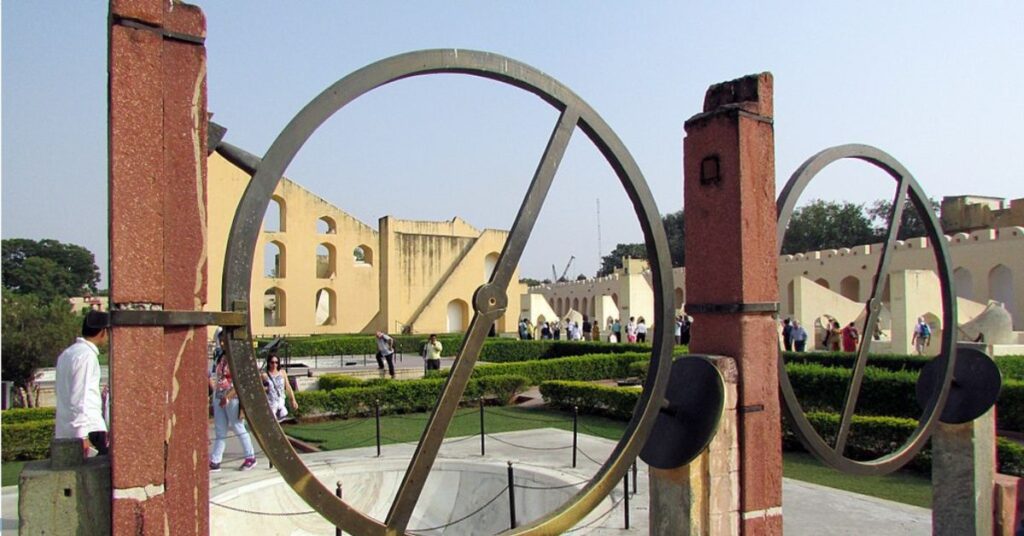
(177, 318)
(731, 308)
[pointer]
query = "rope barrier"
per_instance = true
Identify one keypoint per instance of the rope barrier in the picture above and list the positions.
(499, 440)
(465, 517)
(521, 418)
(581, 482)
(256, 513)
(599, 519)
(589, 457)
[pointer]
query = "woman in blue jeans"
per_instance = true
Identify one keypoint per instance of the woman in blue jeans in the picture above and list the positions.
(226, 412)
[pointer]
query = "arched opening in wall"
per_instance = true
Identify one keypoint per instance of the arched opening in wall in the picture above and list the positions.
(583, 308)
(326, 260)
(541, 319)
(1000, 289)
(823, 282)
(575, 304)
(274, 307)
(326, 308)
(490, 263)
(849, 287)
(362, 255)
(679, 298)
(458, 316)
(964, 281)
(275, 217)
(326, 225)
(558, 307)
(274, 260)
(791, 297)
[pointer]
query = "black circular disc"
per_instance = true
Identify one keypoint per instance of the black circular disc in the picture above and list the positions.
(684, 427)
(975, 387)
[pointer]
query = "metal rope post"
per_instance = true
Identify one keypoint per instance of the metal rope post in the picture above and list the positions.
(625, 498)
(481, 426)
(634, 477)
(575, 423)
(376, 412)
(337, 491)
(512, 497)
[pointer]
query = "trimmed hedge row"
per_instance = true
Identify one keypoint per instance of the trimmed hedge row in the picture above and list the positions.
(400, 396)
(579, 368)
(1011, 366)
(330, 382)
(496, 350)
(870, 437)
(12, 416)
(614, 402)
(26, 440)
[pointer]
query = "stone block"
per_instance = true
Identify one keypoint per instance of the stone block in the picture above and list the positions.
(1008, 503)
(67, 500)
(139, 393)
(148, 11)
(963, 469)
(186, 19)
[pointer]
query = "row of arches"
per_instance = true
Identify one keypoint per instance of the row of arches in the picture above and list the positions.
(275, 259)
(999, 279)
(275, 310)
(275, 219)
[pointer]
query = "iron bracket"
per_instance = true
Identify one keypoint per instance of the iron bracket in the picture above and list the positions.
(731, 308)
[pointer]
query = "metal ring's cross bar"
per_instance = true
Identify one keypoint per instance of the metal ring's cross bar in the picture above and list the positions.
(731, 308)
(158, 317)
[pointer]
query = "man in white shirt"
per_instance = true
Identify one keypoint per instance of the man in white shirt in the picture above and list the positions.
(79, 403)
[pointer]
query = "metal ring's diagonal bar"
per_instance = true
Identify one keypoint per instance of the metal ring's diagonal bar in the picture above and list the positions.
(874, 304)
(490, 302)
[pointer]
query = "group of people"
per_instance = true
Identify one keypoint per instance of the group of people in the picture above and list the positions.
(635, 330)
(794, 336)
(683, 325)
(574, 331)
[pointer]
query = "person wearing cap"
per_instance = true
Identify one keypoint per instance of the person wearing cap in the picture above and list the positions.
(79, 402)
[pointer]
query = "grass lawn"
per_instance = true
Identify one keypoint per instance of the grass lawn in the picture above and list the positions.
(905, 487)
(11, 471)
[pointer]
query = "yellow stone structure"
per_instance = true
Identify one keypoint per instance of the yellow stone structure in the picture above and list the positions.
(318, 270)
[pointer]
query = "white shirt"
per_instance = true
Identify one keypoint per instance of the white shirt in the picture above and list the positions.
(641, 328)
(79, 406)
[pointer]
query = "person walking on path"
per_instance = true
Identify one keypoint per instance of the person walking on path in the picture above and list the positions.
(385, 352)
(787, 335)
(616, 335)
(79, 401)
(276, 380)
(641, 330)
(799, 337)
(631, 330)
(432, 353)
(227, 411)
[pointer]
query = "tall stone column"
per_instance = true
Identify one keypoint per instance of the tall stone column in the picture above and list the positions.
(157, 216)
(731, 275)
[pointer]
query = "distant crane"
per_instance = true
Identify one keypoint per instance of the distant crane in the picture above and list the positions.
(554, 274)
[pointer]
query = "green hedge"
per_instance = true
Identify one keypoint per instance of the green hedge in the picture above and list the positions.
(870, 436)
(12, 416)
(329, 382)
(615, 402)
(400, 396)
(579, 368)
(513, 350)
(366, 344)
(1011, 366)
(26, 440)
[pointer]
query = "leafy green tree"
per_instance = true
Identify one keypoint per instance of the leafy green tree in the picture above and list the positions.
(613, 260)
(529, 281)
(911, 223)
(48, 268)
(676, 234)
(35, 332)
(827, 225)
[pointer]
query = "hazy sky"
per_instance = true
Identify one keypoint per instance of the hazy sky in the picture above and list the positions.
(938, 85)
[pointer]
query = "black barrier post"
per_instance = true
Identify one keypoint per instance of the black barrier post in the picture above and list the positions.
(481, 426)
(511, 497)
(575, 419)
(625, 497)
(376, 412)
(634, 477)
(337, 491)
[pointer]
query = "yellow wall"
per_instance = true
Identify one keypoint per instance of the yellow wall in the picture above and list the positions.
(424, 266)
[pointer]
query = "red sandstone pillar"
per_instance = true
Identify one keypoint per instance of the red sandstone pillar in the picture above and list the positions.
(731, 258)
(157, 140)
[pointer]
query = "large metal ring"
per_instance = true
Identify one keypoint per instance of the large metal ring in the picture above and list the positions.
(574, 113)
(833, 455)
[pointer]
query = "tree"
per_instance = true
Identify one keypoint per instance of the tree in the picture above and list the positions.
(529, 281)
(827, 225)
(581, 277)
(674, 230)
(48, 268)
(911, 223)
(613, 260)
(35, 332)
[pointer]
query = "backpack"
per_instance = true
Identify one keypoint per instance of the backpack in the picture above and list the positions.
(926, 330)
